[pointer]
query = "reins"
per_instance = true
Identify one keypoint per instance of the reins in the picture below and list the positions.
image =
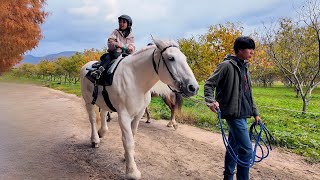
(255, 136)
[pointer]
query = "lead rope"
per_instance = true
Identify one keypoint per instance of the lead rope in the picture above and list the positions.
(254, 135)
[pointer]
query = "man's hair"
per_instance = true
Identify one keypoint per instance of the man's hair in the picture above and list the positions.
(243, 42)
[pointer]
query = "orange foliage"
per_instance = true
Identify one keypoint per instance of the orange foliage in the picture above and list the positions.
(91, 55)
(210, 49)
(20, 31)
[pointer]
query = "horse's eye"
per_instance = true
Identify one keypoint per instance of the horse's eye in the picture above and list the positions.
(171, 58)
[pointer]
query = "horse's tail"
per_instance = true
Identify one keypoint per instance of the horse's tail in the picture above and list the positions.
(97, 111)
(179, 101)
(160, 89)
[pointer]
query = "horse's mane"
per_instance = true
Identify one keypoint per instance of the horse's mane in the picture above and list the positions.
(143, 49)
(167, 43)
(171, 42)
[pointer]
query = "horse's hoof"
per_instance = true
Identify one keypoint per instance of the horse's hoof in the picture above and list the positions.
(169, 125)
(175, 126)
(148, 121)
(94, 145)
(135, 175)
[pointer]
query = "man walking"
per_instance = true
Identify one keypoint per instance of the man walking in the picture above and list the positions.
(229, 89)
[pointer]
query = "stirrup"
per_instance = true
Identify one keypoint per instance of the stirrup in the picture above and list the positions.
(96, 74)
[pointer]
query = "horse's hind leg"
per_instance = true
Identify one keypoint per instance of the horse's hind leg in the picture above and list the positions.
(148, 115)
(92, 117)
(109, 117)
(104, 127)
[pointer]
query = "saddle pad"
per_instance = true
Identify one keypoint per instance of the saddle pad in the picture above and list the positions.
(107, 76)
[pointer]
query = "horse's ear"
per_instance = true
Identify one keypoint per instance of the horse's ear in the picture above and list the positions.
(160, 44)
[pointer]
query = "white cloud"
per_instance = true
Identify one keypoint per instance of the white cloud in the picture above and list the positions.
(84, 11)
(144, 10)
(88, 8)
(111, 9)
(83, 24)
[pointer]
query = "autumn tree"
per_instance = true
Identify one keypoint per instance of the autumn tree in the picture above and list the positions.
(295, 49)
(91, 55)
(45, 68)
(27, 70)
(262, 69)
(20, 31)
(205, 52)
(192, 49)
(58, 69)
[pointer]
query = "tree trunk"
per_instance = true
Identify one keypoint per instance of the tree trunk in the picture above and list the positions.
(305, 104)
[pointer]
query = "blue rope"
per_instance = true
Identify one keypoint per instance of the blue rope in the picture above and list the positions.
(254, 134)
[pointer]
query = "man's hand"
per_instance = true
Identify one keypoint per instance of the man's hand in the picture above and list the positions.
(257, 119)
(213, 106)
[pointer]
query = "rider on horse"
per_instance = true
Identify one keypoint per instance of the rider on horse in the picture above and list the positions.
(120, 41)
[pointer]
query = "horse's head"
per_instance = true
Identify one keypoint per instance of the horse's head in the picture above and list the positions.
(172, 67)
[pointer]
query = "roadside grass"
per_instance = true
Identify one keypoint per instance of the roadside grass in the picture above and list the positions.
(278, 106)
(279, 109)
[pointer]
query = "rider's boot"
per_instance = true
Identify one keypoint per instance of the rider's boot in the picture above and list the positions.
(97, 73)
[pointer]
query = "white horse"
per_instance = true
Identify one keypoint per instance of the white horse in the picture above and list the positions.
(130, 91)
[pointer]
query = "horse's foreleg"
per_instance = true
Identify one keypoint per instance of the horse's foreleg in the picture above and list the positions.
(170, 102)
(104, 127)
(148, 115)
(173, 119)
(92, 117)
(132, 171)
(135, 123)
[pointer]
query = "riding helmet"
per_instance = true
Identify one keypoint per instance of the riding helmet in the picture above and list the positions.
(127, 18)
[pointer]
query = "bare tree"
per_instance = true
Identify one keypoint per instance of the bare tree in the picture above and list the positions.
(295, 49)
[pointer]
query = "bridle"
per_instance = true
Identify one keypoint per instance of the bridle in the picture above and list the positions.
(156, 68)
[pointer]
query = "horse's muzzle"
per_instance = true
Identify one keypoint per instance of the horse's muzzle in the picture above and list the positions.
(190, 89)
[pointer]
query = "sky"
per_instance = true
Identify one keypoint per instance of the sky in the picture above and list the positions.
(76, 25)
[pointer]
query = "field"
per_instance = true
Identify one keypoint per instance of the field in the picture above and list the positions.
(278, 106)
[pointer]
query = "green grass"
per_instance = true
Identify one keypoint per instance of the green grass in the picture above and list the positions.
(280, 112)
(278, 106)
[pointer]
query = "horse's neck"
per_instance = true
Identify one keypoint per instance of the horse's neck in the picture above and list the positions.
(143, 72)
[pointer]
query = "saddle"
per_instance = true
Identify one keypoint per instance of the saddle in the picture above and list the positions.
(107, 75)
(105, 80)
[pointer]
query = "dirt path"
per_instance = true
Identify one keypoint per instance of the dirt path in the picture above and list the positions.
(45, 134)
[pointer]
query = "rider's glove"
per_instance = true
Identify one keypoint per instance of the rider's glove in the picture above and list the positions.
(124, 48)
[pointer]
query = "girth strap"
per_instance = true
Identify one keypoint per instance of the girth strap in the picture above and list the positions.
(95, 93)
(105, 97)
(107, 100)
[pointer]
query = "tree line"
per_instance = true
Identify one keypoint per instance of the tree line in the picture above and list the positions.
(61, 70)
(288, 50)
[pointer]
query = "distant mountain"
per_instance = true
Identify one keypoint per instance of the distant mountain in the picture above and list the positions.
(35, 60)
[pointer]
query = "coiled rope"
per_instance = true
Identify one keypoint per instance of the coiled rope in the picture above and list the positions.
(255, 136)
